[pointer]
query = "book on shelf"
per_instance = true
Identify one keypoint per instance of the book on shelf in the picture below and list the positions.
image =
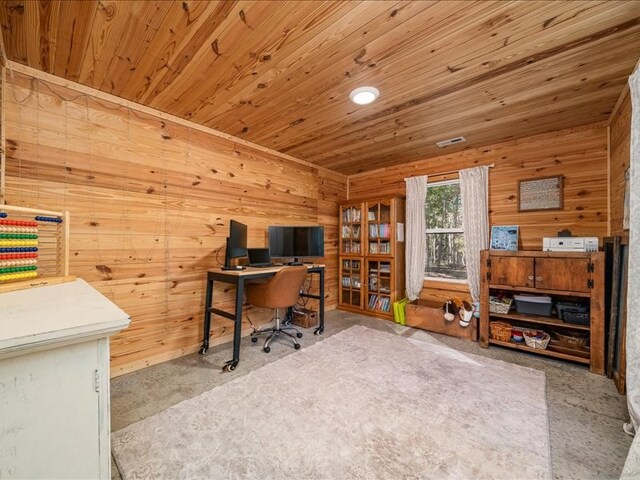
(372, 300)
(351, 215)
(371, 216)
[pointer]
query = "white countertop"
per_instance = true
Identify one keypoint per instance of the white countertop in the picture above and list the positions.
(56, 313)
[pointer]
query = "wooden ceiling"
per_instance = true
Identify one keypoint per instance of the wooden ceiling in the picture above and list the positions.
(279, 73)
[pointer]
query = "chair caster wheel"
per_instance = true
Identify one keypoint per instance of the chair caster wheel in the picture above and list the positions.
(299, 335)
(297, 346)
(266, 349)
(254, 339)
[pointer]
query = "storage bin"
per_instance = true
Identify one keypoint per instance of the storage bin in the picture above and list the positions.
(576, 318)
(533, 304)
(573, 306)
(305, 318)
(499, 305)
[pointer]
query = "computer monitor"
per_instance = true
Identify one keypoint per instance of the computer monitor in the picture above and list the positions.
(295, 242)
(236, 243)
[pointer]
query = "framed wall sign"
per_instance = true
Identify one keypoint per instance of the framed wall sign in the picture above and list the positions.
(504, 237)
(540, 194)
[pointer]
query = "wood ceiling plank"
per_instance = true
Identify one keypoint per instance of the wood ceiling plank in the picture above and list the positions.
(528, 81)
(75, 22)
(400, 54)
(308, 40)
(181, 34)
(20, 21)
(215, 54)
(339, 123)
(351, 60)
(109, 21)
(244, 66)
(324, 48)
(528, 88)
(133, 43)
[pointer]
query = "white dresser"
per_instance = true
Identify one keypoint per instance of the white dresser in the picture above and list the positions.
(54, 381)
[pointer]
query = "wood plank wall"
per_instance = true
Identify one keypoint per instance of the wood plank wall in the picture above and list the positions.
(620, 154)
(150, 202)
(579, 154)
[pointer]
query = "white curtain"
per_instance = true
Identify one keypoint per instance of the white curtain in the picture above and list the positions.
(416, 244)
(632, 465)
(474, 192)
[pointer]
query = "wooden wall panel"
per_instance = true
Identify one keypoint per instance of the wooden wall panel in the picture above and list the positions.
(150, 202)
(579, 154)
(620, 144)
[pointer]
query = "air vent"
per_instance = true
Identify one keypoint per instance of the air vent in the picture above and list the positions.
(451, 141)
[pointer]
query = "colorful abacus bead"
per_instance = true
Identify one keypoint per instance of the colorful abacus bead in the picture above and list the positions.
(3, 215)
(18, 243)
(11, 256)
(18, 249)
(19, 236)
(19, 223)
(17, 276)
(49, 219)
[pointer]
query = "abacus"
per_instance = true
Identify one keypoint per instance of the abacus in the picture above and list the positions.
(34, 247)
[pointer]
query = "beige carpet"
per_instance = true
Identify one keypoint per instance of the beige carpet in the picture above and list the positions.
(360, 404)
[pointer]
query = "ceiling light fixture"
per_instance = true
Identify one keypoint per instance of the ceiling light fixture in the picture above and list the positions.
(364, 95)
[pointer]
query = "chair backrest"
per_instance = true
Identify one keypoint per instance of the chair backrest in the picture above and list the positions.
(281, 291)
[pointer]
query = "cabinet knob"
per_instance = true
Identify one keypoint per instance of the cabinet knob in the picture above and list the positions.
(530, 277)
(539, 279)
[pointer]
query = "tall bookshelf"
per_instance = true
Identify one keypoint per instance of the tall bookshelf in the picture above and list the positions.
(372, 255)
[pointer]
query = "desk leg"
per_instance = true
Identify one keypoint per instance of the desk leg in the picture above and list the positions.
(320, 328)
(207, 318)
(231, 365)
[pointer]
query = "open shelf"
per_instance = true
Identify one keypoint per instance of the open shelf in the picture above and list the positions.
(541, 290)
(539, 351)
(539, 319)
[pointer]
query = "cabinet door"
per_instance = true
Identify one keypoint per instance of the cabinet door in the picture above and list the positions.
(512, 271)
(351, 229)
(50, 415)
(351, 282)
(380, 224)
(569, 274)
(379, 286)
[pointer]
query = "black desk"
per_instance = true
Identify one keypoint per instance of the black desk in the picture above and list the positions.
(239, 278)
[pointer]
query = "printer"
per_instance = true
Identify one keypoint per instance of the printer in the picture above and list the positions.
(570, 244)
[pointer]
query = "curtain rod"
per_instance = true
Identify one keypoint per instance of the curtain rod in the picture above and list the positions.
(491, 165)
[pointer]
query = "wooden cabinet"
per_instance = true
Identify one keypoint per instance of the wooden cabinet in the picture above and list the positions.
(565, 277)
(372, 255)
(54, 381)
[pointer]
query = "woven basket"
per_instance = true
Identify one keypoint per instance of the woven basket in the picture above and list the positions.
(532, 340)
(500, 331)
(578, 340)
(497, 305)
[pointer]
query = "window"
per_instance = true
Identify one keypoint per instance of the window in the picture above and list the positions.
(445, 235)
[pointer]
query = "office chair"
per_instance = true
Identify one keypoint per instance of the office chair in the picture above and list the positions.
(281, 291)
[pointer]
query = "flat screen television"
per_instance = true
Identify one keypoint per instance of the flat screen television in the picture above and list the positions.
(296, 242)
(236, 243)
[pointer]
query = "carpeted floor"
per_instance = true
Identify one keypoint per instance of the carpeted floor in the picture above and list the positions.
(384, 407)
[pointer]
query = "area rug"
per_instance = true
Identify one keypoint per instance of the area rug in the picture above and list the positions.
(361, 404)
